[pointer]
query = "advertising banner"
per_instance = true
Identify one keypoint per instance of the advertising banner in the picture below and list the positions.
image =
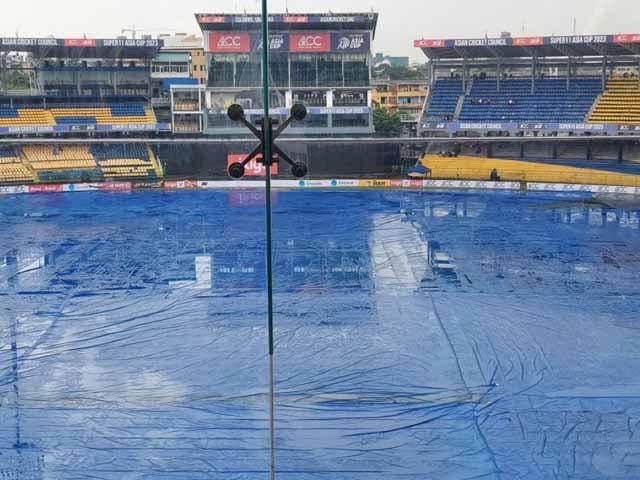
(310, 42)
(429, 43)
(356, 42)
(12, 190)
(80, 187)
(278, 42)
(47, 188)
(295, 19)
(180, 184)
(627, 38)
(528, 41)
(208, 19)
(253, 168)
(375, 183)
(147, 185)
(80, 42)
(229, 42)
(116, 186)
(345, 183)
(211, 19)
(314, 183)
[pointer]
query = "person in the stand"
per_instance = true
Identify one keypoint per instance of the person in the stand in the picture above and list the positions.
(494, 175)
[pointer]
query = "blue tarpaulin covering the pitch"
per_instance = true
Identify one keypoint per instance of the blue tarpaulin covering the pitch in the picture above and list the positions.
(418, 335)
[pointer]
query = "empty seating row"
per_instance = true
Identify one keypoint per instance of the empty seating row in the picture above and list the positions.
(105, 152)
(108, 114)
(72, 157)
(516, 100)
(444, 99)
(620, 103)
(72, 163)
(12, 172)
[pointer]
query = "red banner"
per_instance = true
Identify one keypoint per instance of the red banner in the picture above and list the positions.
(211, 19)
(316, 42)
(79, 42)
(429, 43)
(180, 184)
(48, 188)
(295, 19)
(627, 38)
(528, 41)
(229, 42)
(253, 168)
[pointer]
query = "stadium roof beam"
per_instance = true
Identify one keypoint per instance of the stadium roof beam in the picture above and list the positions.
(557, 46)
(290, 21)
(526, 61)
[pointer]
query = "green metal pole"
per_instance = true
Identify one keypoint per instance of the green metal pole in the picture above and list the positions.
(267, 161)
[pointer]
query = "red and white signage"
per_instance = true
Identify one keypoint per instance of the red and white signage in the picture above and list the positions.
(211, 19)
(253, 168)
(295, 19)
(116, 186)
(316, 42)
(79, 42)
(46, 188)
(429, 43)
(229, 42)
(627, 38)
(180, 184)
(528, 41)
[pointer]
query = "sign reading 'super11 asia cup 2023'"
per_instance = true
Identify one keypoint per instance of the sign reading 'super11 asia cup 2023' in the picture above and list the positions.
(283, 42)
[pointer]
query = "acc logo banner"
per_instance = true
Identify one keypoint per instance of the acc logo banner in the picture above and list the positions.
(229, 42)
(310, 42)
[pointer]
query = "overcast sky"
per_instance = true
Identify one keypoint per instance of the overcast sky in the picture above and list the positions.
(401, 21)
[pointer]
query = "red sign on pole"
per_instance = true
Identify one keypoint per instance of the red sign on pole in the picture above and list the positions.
(229, 42)
(315, 42)
(254, 168)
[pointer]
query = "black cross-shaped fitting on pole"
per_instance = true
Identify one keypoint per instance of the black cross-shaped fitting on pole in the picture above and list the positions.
(267, 134)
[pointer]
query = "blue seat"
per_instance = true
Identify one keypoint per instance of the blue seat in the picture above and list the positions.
(550, 100)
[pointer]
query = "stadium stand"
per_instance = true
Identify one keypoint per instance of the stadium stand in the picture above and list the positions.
(444, 99)
(104, 114)
(620, 103)
(551, 101)
(73, 163)
(473, 168)
(77, 114)
(14, 117)
(117, 161)
(68, 163)
(11, 167)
